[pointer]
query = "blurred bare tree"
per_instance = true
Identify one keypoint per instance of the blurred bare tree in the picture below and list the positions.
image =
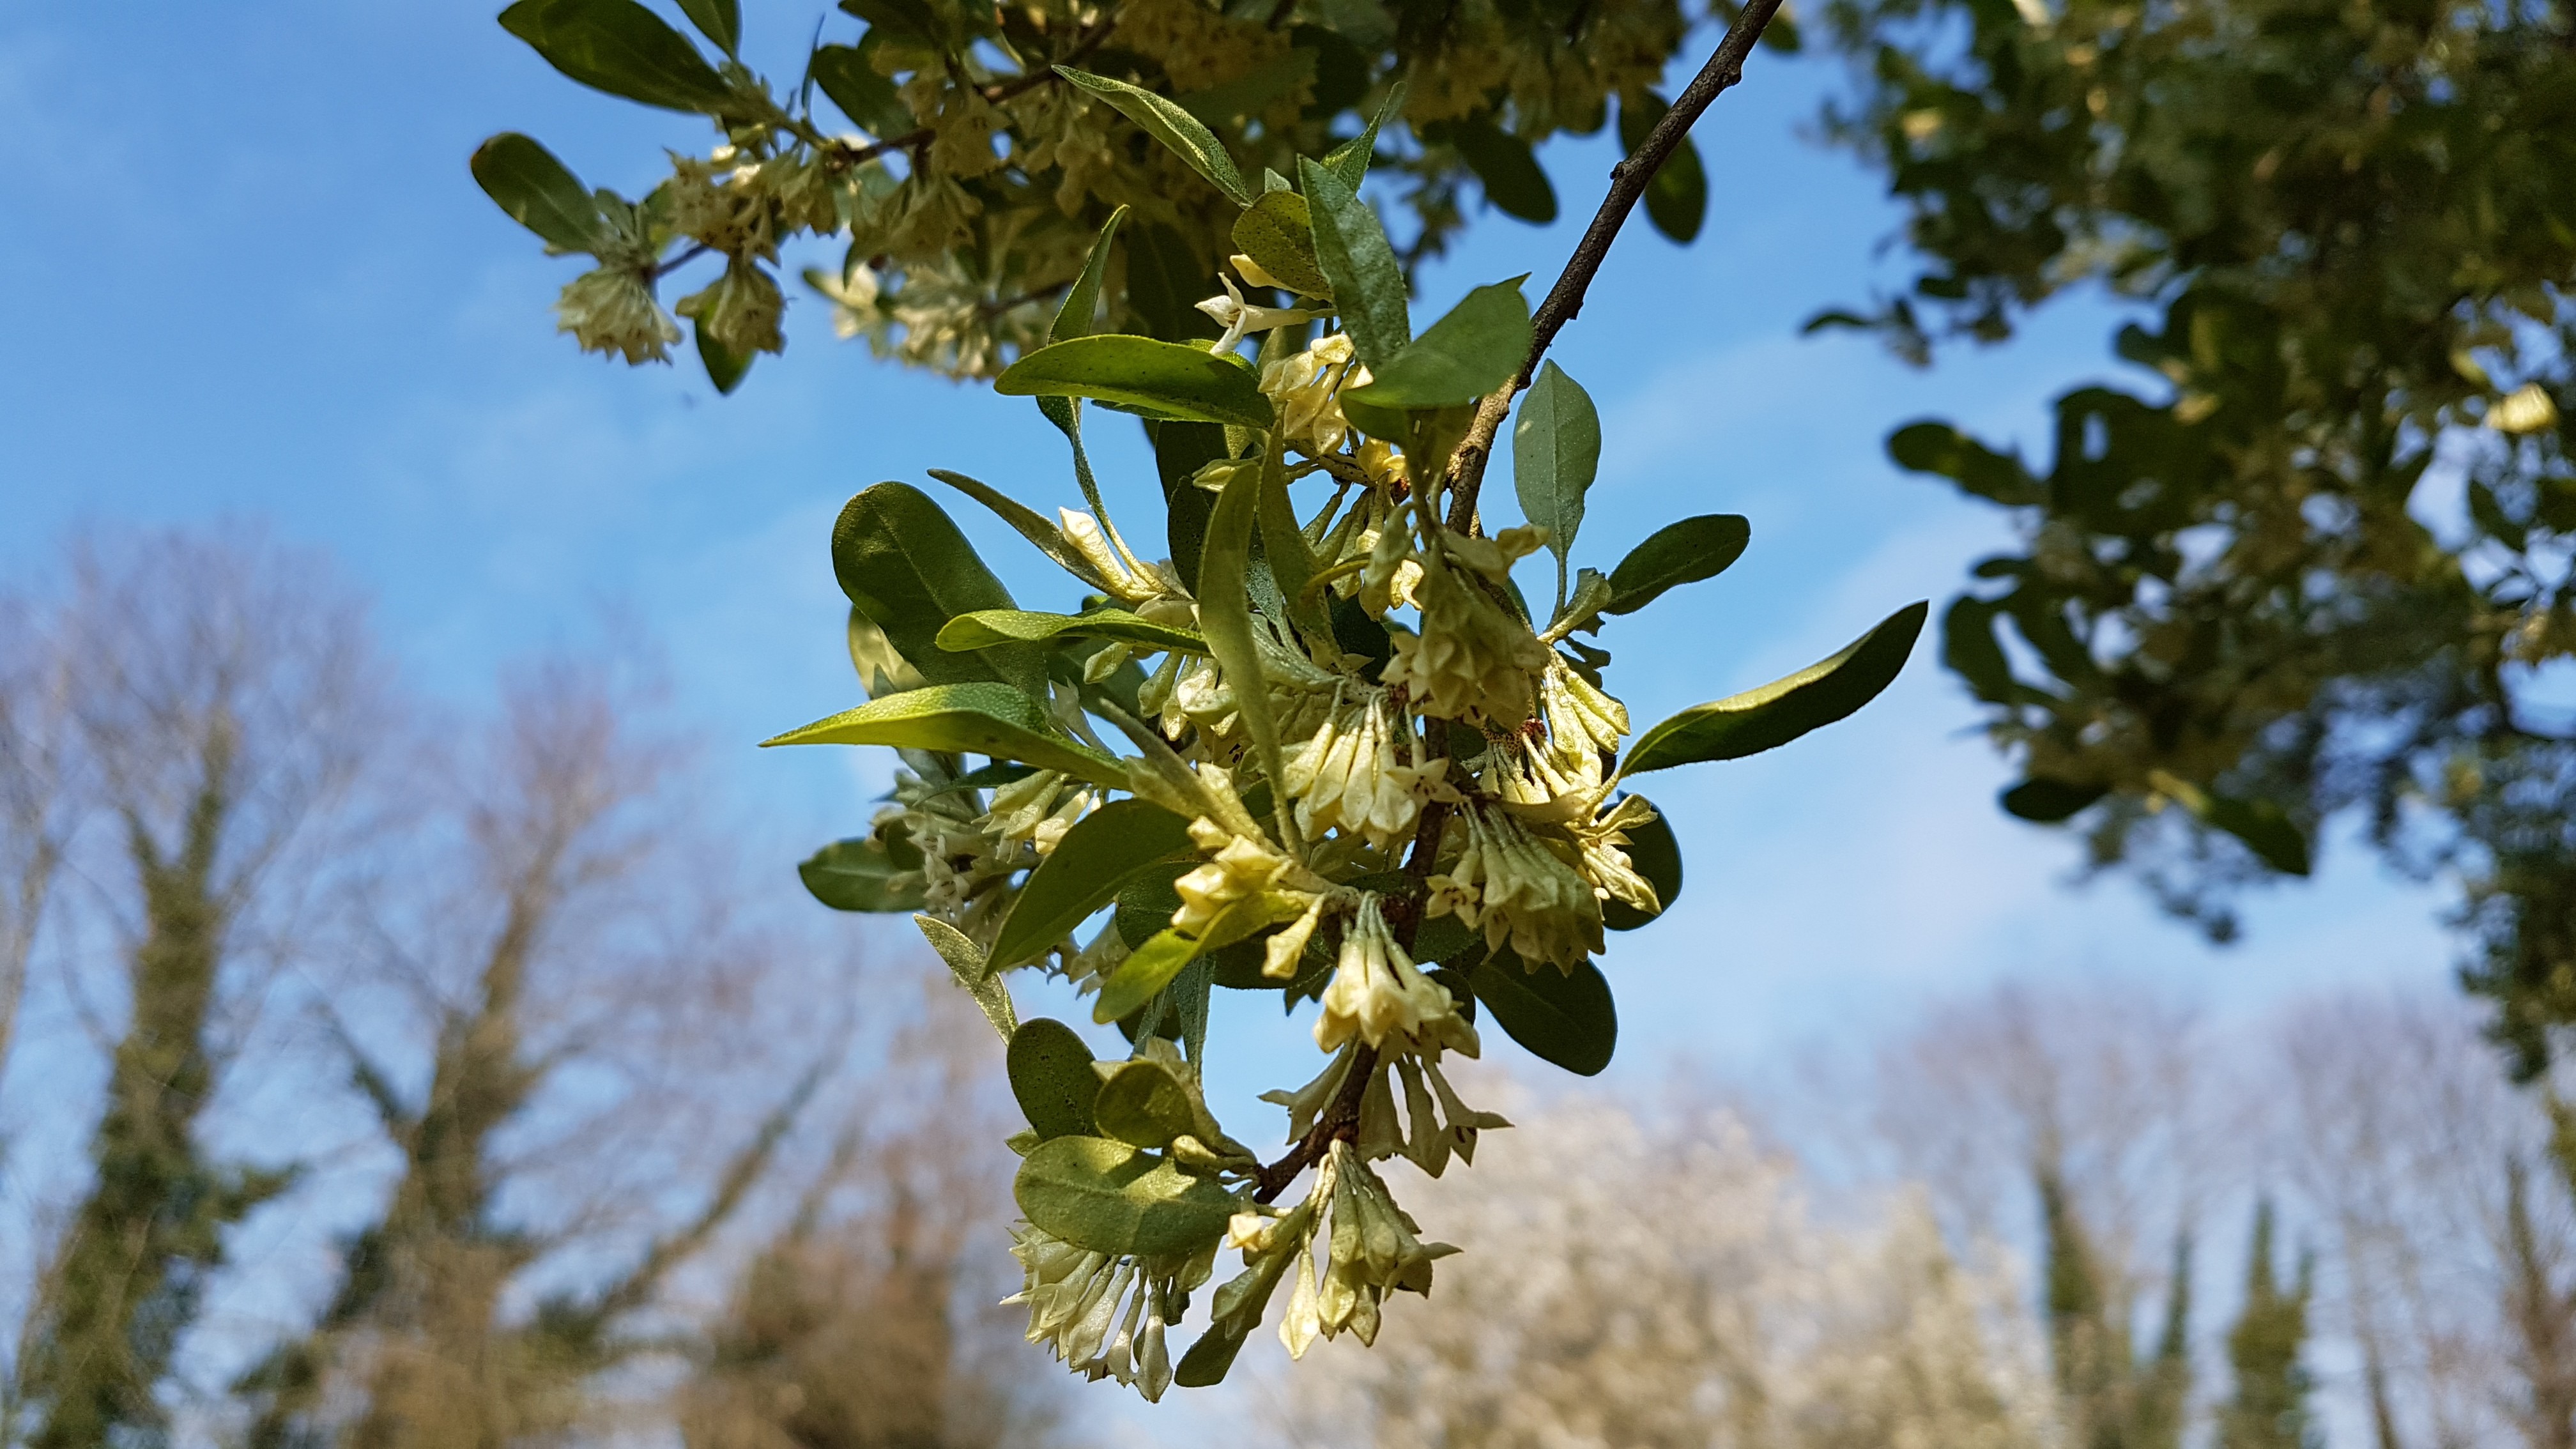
(215, 695)
(39, 787)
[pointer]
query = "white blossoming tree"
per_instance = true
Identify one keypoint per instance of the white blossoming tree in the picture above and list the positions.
(1358, 766)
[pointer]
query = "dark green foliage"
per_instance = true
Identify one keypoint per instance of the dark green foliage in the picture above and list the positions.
(2344, 230)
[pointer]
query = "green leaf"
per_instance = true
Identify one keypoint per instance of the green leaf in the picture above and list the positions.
(1031, 524)
(1507, 167)
(867, 98)
(1475, 349)
(1148, 969)
(1105, 852)
(1350, 160)
(966, 961)
(1677, 196)
(1225, 608)
(989, 628)
(1971, 650)
(725, 367)
(1564, 1018)
(1556, 450)
(982, 719)
(1143, 1105)
(2266, 830)
(1165, 379)
(1111, 1198)
(717, 20)
(859, 875)
(1169, 124)
(2050, 801)
(538, 191)
(1784, 709)
(1940, 449)
(904, 564)
(1352, 250)
(1277, 233)
(1657, 856)
(622, 48)
(1678, 553)
(1082, 300)
(1052, 1079)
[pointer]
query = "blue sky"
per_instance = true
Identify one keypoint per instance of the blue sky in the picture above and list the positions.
(251, 277)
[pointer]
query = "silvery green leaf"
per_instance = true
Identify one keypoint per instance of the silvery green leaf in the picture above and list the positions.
(1100, 856)
(1111, 1198)
(1142, 1104)
(858, 875)
(1556, 450)
(967, 963)
(1052, 1079)
(981, 719)
(1778, 712)
(1352, 251)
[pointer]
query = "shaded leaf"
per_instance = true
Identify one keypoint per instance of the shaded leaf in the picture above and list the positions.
(1143, 1105)
(1052, 1079)
(1169, 124)
(1102, 854)
(1468, 353)
(622, 48)
(725, 367)
(858, 875)
(538, 191)
(1352, 250)
(2050, 801)
(1111, 1198)
(1971, 650)
(2266, 830)
(1678, 553)
(1563, 1018)
(1148, 969)
(717, 20)
(866, 97)
(901, 560)
(1350, 160)
(1082, 300)
(1164, 379)
(1778, 712)
(1276, 233)
(1677, 197)
(1506, 166)
(1225, 606)
(982, 719)
(1030, 524)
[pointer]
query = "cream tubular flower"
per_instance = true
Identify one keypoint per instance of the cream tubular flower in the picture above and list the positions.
(1376, 990)
(1306, 388)
(1241, 319)
(1473, 658)
(1520, 892)
(1350, 776)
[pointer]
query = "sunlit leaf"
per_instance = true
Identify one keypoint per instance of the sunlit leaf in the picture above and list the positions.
(1677, 553)
(538, 191)
(1051, 1077)
(1111, 1198)
(902, 561)
(1143, 1105)
(986, 628)
(1556, 450)
(1105, 852)
(1468, 353)
(1778, 712)
(1277, 234)
(1165, 379)
(966, 961)
(981, 719)
(1353, 253)
(1168, 123)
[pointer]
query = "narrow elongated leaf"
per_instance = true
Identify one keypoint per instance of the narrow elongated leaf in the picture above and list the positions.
(538, 191)
(1111, 1198)
(1350, 160)
(967, 963)
(1677, 196)
(1778, 712)
(1164, 379)
(859, 875)
(1352, 251)
(1143, 1105)
(1052, 1079)
(1225, 607)
(1656, 855)
(1564, 1018)
(1513, 180)
(1148, 969)
(1468, 353)
(866, 97)
(987, 628)
(717, 20)
(981, 719)
(1082, 300)
(1105, 852)
(1030, 524)
(1678, 553)
(1556, 450)
(622, 48)
(1276, 232)
(1168, 123)
(904, 564)
(1284, 547)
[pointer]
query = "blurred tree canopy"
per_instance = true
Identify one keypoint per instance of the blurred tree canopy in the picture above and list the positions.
(2321, 566)
(978, 174)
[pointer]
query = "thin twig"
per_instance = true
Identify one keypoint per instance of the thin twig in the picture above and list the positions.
(1628, 182)
(664, 269)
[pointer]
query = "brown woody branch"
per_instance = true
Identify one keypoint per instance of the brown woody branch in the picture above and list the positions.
(1628, 181)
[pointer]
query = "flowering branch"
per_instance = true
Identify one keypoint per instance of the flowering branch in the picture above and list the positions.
(1628, 182)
